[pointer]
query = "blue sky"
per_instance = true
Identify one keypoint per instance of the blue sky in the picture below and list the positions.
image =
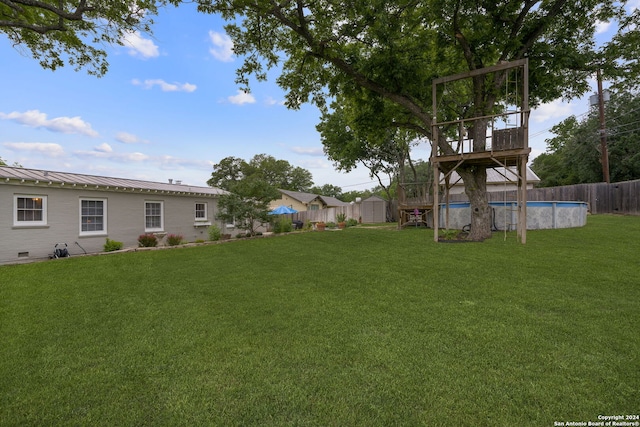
(169, 109)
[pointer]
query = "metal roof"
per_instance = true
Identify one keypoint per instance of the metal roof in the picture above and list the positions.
(10, 174)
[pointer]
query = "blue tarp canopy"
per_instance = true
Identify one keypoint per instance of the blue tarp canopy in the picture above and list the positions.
(282, 210)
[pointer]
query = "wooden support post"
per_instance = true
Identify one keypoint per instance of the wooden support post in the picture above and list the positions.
(446, 199)
(436, 201)
(522, 199)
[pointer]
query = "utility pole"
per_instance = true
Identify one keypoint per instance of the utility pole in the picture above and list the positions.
(603, 132)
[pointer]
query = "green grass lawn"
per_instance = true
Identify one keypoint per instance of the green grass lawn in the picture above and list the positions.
(361, 327)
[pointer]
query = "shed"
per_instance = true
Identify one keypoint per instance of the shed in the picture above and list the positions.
(374, 209)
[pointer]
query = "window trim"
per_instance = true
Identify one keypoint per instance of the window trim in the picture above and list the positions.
(104, 217)
(206, 212)
(154, 230)
(39, 223)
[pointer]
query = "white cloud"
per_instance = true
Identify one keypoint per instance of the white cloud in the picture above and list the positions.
(309, 151)
(174, 163)
(164, 86)
(222, 48)
(139, 46)
(316, 164)
(242, 98)
(270, 101)
(135, 157)
(36, 119)
(104, 148)
(47, 148)
(129, 138)
(602, 27)
(110, 155)
(556, 110)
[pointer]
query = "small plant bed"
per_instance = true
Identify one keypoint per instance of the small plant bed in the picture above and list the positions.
(454, 236)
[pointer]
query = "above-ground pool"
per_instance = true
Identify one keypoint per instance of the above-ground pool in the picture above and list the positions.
(504, 215)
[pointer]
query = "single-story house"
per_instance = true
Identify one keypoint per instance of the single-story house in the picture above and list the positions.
(305, 201)
(39, 209)
(498, 179)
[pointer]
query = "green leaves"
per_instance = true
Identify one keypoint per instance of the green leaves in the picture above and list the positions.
(253, 185)
(235, 175)
(72, 32)
(573, 155)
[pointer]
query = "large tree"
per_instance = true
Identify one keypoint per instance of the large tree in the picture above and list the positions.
(385, 54)
(252, 185)
(232, 172)
(74, 31)
(574, 155)
(351, 137)
(327, 190)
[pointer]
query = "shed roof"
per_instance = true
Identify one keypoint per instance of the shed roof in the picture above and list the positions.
(10, 174)
(374, 198)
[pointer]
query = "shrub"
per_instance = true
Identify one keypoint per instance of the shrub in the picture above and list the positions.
(147, 241)
(240, 235)
(174, 239)
(112, 245)
(341, 217)
(449, 234)
(331, 224)
(282, 225)
(351, 222)
(214, 233)
(199, 241)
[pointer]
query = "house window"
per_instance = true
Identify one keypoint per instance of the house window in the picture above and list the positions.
(153, 220)
(314, 207)
(93, 216)
(30, 210)
(201, 211)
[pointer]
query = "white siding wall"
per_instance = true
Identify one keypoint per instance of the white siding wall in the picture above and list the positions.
(125, 220)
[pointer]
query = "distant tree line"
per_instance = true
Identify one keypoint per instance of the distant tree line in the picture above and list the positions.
(253, 184)
(574, 155)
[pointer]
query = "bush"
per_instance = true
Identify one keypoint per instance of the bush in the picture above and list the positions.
(174, 239)
(147, 241)
(214, 233)
(351, 222)
(341, 217)
(331, 224)
(112, 245)
(282, 225)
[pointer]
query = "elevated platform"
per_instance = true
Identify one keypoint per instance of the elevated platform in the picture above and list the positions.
(487, 158)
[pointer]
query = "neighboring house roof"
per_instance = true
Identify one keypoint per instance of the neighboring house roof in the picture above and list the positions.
(307, 198)
(332, 201)
(498, 176)
(9, 174)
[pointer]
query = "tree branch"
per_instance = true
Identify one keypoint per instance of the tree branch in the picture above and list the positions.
(59, 12)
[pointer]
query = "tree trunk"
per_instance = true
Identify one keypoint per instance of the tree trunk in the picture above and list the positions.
(475, 186)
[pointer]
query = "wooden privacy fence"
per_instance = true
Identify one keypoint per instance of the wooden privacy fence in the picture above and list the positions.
(602, 198)
(329, 214)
